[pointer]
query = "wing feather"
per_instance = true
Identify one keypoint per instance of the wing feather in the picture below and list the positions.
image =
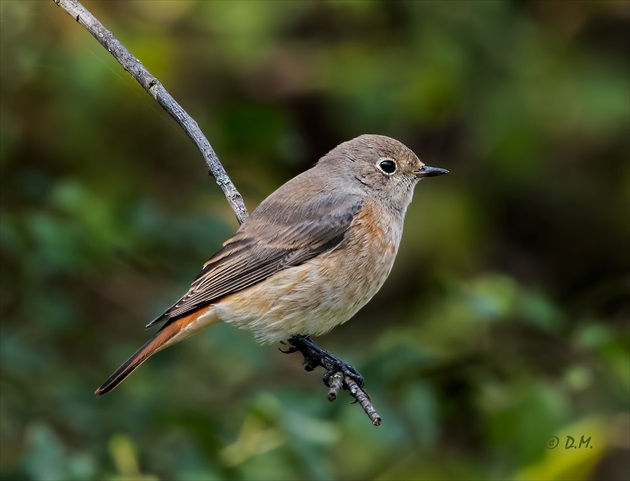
(271, 239)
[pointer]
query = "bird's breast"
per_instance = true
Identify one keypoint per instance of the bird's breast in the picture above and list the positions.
(325, 291)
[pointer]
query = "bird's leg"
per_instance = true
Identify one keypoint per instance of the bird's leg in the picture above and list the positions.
(315, 356)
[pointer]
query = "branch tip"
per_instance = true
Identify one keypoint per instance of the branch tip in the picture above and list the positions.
(338, 374)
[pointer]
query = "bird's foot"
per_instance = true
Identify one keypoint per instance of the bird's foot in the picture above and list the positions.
(347, 370)
(315, 356)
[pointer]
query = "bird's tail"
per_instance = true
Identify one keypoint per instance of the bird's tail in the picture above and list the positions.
(173, 331)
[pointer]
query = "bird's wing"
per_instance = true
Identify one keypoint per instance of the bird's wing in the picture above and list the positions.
(273, 238)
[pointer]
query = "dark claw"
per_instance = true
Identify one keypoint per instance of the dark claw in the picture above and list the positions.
(290, 350)
(350, 378)
(315, 356)
(347, 371)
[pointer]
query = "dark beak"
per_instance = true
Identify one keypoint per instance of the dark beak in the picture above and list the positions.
(427, 171)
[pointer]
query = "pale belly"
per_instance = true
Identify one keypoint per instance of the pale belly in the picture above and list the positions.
(318, 295)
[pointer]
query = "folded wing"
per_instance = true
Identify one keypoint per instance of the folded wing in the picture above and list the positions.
(274, 237)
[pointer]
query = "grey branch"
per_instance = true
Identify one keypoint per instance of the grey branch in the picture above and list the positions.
(132, 65)
(338, 374)
(364, 400)
(336, 383)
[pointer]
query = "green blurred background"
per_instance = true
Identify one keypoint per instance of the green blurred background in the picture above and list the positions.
(504, 322)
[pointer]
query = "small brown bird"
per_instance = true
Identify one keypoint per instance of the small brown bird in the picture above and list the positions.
(308, 258)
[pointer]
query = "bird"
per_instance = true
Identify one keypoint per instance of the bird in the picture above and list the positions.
(308, 257)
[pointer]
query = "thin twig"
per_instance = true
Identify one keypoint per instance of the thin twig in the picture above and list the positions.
(364, 400)
(132, 65)
(336, 383)
(338, 374)
(313, 355)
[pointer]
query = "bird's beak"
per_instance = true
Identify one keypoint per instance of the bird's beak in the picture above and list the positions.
(426, 171)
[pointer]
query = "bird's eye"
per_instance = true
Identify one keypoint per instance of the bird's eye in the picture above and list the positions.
(388, 166)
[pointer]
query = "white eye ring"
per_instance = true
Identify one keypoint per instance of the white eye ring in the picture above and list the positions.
(387, 166)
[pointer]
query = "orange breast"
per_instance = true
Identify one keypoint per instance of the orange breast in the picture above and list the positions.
(325, 291)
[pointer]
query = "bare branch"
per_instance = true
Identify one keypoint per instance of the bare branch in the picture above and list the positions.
(338, 374)
(132, 65)
(364, 400)
(336, 383)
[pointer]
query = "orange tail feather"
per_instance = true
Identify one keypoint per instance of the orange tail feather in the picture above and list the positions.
(172, 332)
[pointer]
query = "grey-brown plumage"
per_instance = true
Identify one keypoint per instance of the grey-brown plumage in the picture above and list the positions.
(310, 256)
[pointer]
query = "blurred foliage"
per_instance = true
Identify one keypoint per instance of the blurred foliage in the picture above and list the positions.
(503, 324)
